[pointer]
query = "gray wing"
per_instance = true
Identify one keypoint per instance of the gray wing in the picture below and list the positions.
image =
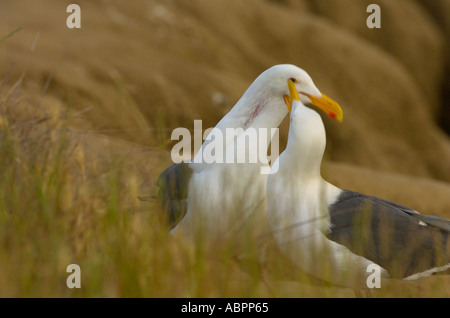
(428, 219)
(173, 191)
(397, 238)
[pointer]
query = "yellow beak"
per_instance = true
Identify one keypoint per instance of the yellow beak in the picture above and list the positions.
(326, 104)
(293, 95)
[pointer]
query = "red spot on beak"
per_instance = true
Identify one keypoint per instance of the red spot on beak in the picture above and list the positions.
(333, 115)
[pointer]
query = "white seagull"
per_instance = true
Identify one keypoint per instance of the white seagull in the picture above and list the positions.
(219, 199)
(338, 235)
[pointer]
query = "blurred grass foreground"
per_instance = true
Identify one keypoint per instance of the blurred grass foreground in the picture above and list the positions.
(73, 162)
(61, 205)
(59, 208)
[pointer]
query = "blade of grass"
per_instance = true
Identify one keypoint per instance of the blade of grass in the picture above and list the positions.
(10, 34)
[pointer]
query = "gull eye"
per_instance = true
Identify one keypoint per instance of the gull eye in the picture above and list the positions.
(293, 79)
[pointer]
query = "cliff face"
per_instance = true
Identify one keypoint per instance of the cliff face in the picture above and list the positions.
(142, 68)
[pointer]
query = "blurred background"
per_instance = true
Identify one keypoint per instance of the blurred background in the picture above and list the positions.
(138, 69)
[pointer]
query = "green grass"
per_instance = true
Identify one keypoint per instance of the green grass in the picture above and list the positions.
(10, 34)
(57, 208)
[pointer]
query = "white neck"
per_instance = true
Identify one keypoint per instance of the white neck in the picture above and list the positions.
(256, 109)
(306, 144)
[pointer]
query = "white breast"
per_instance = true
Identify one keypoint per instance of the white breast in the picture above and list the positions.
(299, 219)
(223, 199)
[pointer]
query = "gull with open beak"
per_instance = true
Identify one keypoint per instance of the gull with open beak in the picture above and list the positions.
(338, 235)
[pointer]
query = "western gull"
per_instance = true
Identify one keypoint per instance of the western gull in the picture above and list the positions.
(337, 235)
(219, 199)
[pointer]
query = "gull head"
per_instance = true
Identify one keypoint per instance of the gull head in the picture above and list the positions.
(266, 99)
(301, 89)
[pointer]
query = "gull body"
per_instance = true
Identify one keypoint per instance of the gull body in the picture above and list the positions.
(219, 199)
(337, 234)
